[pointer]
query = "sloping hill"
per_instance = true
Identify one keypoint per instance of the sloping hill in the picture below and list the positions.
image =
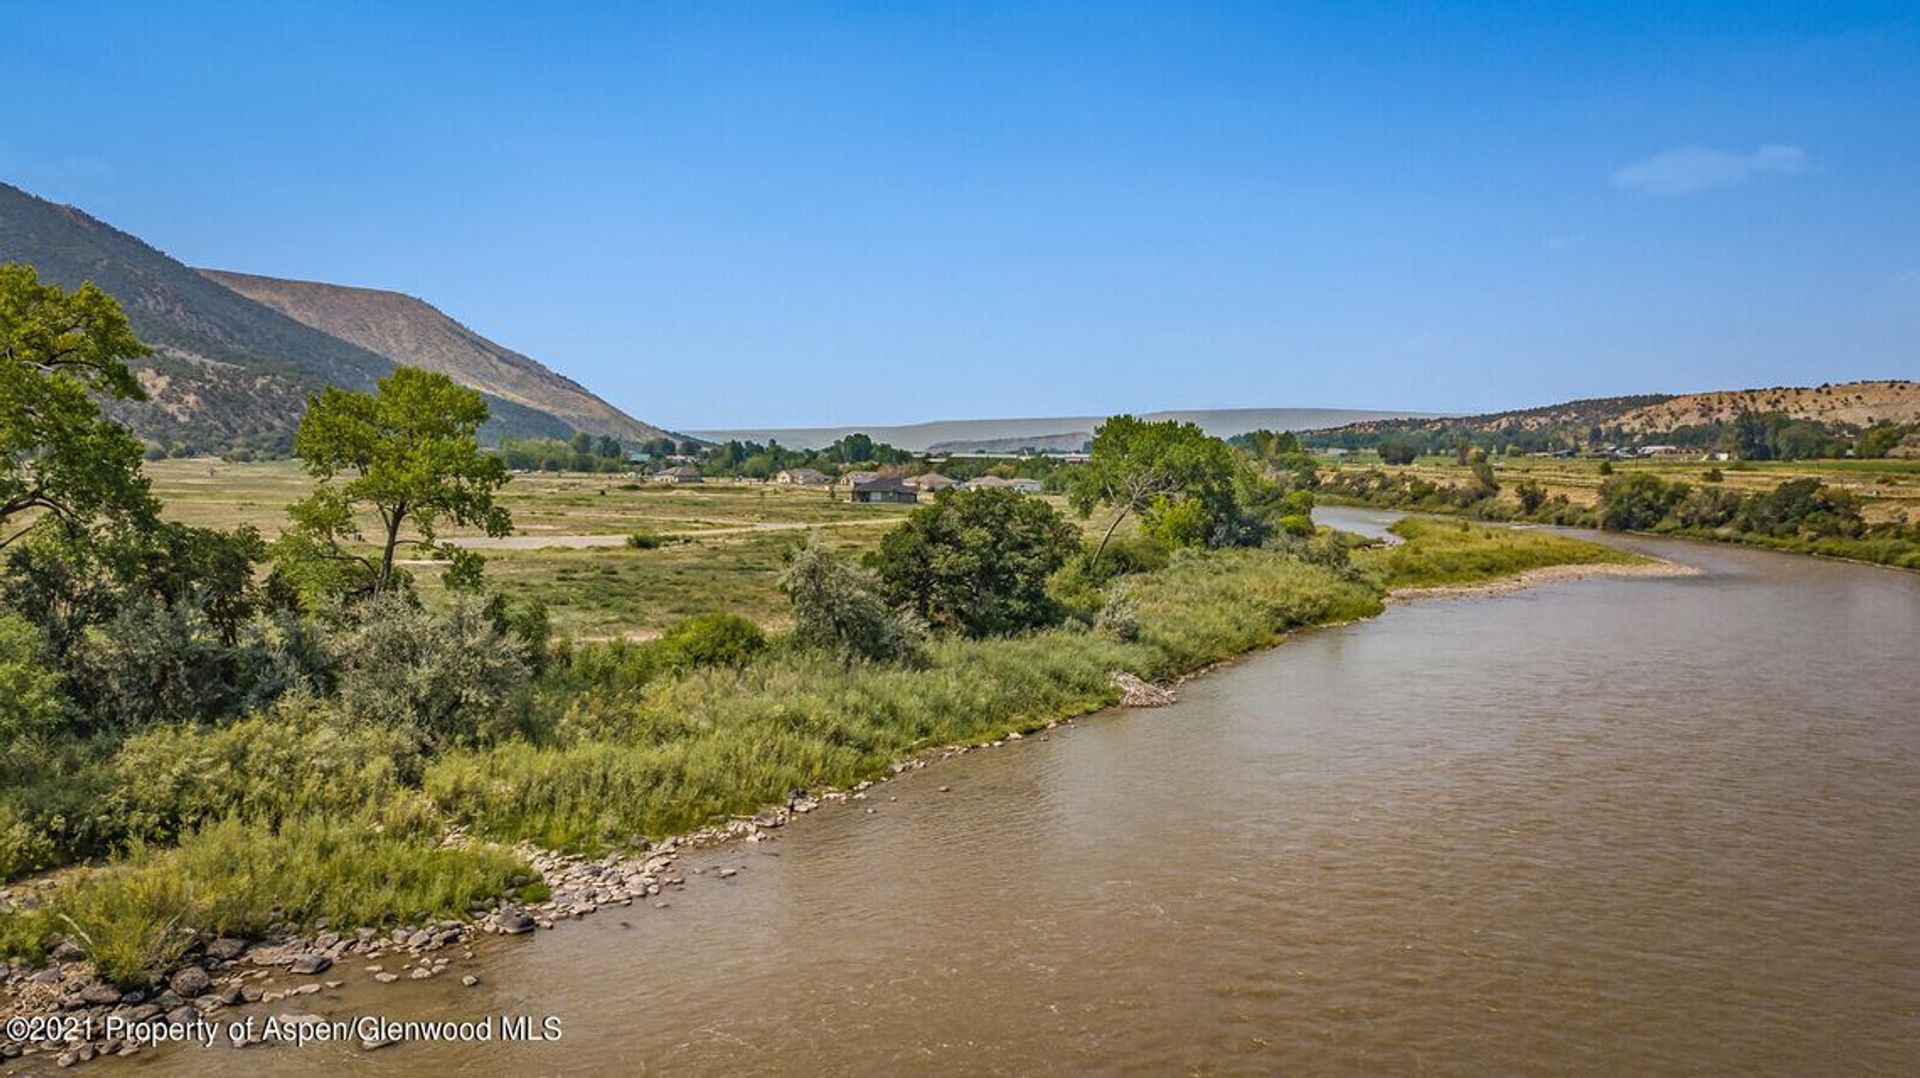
(1572, 415)
(408, 330)
(1646, 418)
(1856, 404)
(226, 371)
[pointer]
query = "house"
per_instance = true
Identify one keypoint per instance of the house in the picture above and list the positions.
(682, 474)
(857, 478)
(930, 483)
(884, 489)
(1026, 486)
(802, 477)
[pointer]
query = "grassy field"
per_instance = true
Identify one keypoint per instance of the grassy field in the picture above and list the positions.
(724, 540)
(1886, 487)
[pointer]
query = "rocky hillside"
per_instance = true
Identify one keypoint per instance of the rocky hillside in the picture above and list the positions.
(1580, 414)
(226, 371)
(1856, 404)
(407, 330)
(1850, 404)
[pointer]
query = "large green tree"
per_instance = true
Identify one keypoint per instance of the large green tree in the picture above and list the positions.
(60, 460)
(408, 453)
(977, 561)
(1157, 469)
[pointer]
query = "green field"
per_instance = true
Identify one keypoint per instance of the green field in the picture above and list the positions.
(724, 539)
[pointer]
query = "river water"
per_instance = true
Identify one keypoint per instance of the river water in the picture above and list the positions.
(1656, 825)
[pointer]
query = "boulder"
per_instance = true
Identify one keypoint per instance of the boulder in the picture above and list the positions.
(310, 963)
(190, 981)
(226, 949)
(515, 921)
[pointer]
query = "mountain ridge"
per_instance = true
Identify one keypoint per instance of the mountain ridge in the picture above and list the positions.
(227, 372)
(407, 329)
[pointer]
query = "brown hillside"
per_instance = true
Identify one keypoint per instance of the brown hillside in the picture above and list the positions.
(410, 331)
(1860, 404)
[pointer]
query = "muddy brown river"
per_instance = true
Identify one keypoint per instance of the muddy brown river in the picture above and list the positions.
(1632, 826)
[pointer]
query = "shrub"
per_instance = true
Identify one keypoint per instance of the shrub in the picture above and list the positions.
(839, 606)
(1531, 494)
(1637, 502)
(157, 662)
(31, 707)
(1174, 524)
(711, 640)
(644, 541)
(450, 677)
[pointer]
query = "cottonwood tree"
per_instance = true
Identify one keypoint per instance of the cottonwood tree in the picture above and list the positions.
(410, 454)
(60, 460)
(1140, 468)
(978, 561)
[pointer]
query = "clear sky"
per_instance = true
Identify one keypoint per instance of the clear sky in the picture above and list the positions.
(723, 214)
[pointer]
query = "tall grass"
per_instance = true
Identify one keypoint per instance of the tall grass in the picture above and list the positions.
(238, 877)
(683, 750)
(1437, 553)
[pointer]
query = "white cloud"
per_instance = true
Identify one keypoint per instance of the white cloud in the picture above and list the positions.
(1691, 169)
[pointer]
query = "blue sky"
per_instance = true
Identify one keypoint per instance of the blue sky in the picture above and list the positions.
(775, 214)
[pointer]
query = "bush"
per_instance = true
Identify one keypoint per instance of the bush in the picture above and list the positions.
(448, 678)
(711, 640)
(839, 606)
(644, 541)
(1531, 494)
(31, 708)
(1637, 502)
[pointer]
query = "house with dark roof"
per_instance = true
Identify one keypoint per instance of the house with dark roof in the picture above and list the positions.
(885, 489)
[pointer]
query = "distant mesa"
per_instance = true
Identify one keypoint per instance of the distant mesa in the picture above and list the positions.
(1056, 432)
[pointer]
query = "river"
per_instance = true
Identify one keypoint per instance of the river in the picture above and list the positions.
(1659, 825)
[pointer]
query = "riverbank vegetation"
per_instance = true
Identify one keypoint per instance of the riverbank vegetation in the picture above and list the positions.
(1856, 510)
(223, 733)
